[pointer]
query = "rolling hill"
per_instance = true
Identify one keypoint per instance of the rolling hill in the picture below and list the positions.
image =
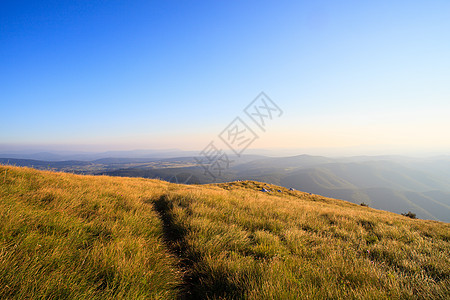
(396, 184)
(66, 236)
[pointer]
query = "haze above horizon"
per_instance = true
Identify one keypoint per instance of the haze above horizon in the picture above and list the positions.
(350, 77)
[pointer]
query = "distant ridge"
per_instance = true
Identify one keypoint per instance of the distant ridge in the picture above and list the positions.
(393, 183)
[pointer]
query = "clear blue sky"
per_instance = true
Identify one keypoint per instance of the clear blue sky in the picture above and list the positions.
(172, 74)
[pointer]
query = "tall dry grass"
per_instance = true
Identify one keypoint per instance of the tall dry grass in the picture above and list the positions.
(242, 243)
(69, 236)
(84, 237)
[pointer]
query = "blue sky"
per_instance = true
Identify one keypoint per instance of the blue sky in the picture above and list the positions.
(107, 75)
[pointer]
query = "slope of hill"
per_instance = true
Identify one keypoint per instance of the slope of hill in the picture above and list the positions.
(383, 185)
(67, 236)
(98, 237)
(394, 183)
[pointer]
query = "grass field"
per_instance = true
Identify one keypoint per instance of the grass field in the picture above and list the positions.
(97, 237)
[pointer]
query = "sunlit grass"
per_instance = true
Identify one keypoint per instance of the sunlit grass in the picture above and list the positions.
(69, 236)
(291, 245)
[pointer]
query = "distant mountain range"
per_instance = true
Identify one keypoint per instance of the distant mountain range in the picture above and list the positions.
(393, 183)
(90, 156)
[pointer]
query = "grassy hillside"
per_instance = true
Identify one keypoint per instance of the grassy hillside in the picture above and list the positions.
(71, 236)
(393, 183)
(396, 184)
(67, 236)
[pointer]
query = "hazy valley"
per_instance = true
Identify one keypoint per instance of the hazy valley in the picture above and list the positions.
(393, 183)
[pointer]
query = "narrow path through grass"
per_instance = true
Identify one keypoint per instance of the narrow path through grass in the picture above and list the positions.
(196, 282)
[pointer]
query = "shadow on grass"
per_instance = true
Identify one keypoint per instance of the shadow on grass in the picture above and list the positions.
(200, 282)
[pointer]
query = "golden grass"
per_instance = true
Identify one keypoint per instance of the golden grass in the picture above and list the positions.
(291, 245)
(69, 236)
